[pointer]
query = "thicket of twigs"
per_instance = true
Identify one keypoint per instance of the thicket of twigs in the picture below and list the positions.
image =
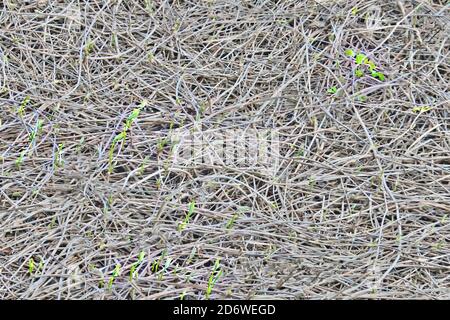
(360, 202)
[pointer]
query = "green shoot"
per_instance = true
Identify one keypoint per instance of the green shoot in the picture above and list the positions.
(332, 90)
(439, 245)
(155, 266)
(133, 116)
(177, 25)
(20, 159)
(359, 73)
(215, 275)
(161, 144)
(149, 6)
(378, 75)
(114, 40)
(141, 257)
(36, 131)
(116, 273)
(122, 135)
(156, 263)
(89, 47)
(300, 153)
(133, 271)
(191, 255)
(188, 216)
(158, 183)
(355, 11)
(150, 57)
(360, 58)
(350, 53)
(182, 295)
(41, 265)
(421, 109)
(31, 266)
(136, 264)
(232, 221)
(21, 109)
(142, 166)
(164, 269)
(370, 63)
(59, 162)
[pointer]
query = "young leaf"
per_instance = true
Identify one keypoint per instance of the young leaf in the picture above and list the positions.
(360, 58)
(332, 90)
(349, 53)
(141, 256)
(121, 136)
(421, 109)
(371, 64)
(31, 266)
(378, 75)
(134, 114)
(359, 73)
(116, 271)
(133, 271)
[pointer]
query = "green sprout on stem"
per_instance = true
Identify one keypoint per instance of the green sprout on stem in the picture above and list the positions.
(350, 53)
(133, 116)
(41, 265)
(20, 159)
(421, 109)
(142, 166)
(188, 216)
(150, 57)
(31, 265)
(36, 131)
(378, 75)
(89, 47)
(158, 183)
(164, 269)
(157, 263)
(161, 144)
(149, 6)
(231, 222)
(359, 73)
(116, 273)
(21, 109)
(215, 275)
(360, 58)
(114, 40)
(122, 135)
(370, 64)
(136, 264)
(191, 255)
(59, 162)
(332, 90)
